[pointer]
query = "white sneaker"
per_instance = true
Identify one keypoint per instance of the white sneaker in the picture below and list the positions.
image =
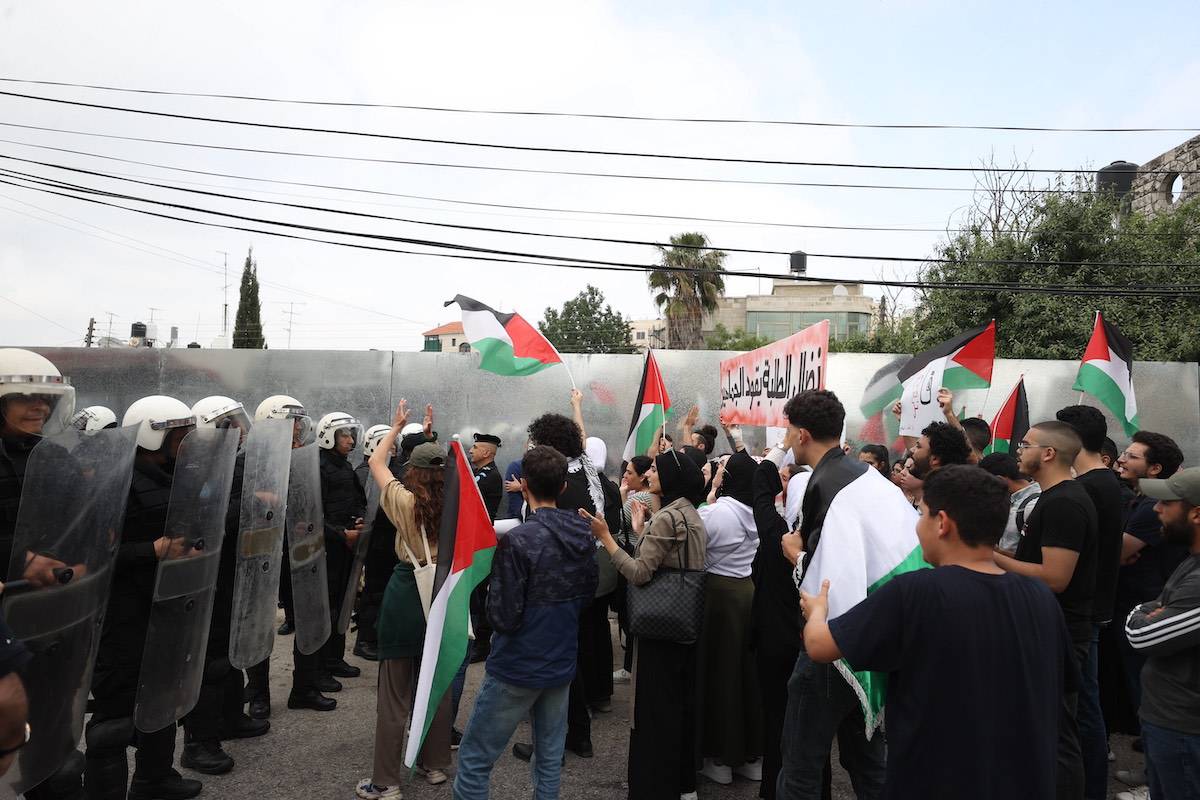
(622, 676)
(1132, 777)
(716, 771)
(369, 791)
(1137, 793)
(751, 770)
(688, 796)
(433, 777)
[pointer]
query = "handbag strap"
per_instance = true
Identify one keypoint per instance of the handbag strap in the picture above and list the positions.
(684, 558)
(412, 557)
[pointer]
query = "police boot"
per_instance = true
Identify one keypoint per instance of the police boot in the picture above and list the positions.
(106, 770)
(310, 699)
(244, 727)
(206, 757)
(65, 784)
(171, 786)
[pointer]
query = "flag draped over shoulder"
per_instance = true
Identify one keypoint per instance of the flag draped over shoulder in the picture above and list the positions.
(966, 360)
(466, 544)
(1011, 422)
(649, 411)
(1106, 373)
(869, 537)
(509, 345)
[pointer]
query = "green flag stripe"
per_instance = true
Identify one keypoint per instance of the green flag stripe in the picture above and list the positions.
(1099, 384)
(956, 378)
(498, 358)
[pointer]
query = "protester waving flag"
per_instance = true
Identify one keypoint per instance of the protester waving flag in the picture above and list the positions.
(650, 411)
(870, 538)
(466, 544)
(1011, 422)
(964, 362)
(1106, 373)
(509, 345)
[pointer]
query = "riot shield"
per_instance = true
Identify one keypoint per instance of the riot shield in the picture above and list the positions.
(67, 531)
(306, 550)
(177, 636)
(260, 542)
(360, 555)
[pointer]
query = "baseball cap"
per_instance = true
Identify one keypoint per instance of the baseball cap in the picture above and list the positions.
(1183, 485)
(427, 456)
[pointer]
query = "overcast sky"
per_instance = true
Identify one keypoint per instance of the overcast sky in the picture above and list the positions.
(1017, 63)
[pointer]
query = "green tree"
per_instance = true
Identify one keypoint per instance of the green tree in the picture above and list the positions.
(684, 297)
(587, 324)
(247, 325)
(722, 338)
(1074, 224)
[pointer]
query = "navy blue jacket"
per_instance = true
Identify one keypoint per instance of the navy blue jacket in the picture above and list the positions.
(543, 574)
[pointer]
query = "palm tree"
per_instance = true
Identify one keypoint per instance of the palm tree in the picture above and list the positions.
(688, 286)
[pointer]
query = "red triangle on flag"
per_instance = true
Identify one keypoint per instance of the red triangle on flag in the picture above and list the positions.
(979, 354)
(1097, 348)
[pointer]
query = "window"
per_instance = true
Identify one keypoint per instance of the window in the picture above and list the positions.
(432, 345)
(453, 342)
(641, 335)
(465, 347)
(781, 324)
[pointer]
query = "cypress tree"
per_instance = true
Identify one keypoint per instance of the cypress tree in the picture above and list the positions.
(247, 325)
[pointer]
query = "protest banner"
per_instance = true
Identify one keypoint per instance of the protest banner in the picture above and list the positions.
(755, 386)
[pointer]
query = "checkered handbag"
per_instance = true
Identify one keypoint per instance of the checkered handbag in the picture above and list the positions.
(670, 607)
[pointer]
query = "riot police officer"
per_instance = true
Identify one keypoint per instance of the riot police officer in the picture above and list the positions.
(381, 553)
(94, 418)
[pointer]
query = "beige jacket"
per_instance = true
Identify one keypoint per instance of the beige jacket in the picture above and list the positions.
(400, 506)
(661, 543)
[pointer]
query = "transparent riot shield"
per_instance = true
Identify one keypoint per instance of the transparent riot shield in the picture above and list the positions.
(67, 531)
(360, 555)
(306, 550)
(177, 636)
(260, 542)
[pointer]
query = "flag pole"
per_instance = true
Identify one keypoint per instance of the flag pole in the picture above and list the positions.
(562, 361)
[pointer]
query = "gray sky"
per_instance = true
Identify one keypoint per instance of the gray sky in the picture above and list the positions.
(916, 61)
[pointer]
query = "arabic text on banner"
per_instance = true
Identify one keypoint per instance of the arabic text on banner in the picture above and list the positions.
(755, 386)
(918, 403)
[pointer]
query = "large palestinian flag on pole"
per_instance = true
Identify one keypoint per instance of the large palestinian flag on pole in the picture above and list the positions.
(966, 360)
(1011, 422)
(466, 544)
(509, 345)
(870, 537)
(650, 411)
(1106, 373)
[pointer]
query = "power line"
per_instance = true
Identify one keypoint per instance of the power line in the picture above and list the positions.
(1132, 290)
(29, 310)
(619, 117)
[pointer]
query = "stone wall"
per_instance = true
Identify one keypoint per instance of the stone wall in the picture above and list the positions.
(1151, 192)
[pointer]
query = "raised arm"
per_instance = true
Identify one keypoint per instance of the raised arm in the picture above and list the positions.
(378, 463)
(577, 414)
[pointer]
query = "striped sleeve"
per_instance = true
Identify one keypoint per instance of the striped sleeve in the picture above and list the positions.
(1161, 630)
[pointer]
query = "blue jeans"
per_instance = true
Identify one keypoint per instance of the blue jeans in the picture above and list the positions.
(1093, 738)
(1172, 763)
(821, 705)
(499, 708)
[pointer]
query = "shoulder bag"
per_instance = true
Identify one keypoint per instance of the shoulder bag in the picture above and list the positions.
(670, 607)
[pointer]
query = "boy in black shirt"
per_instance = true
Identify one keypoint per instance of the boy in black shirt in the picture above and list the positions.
(952, 639)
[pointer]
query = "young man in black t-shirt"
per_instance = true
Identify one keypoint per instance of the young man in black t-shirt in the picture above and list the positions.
(951, 640)
(1058, 546)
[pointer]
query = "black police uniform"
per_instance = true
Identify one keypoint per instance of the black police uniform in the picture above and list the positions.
(491, 487)
(342, 502)
(377, 568)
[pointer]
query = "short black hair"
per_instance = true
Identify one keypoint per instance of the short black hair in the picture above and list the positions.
(818, 411)
(1109, 448)
(978, 433)
(1161, 450)
(877, 452)
(947, 443)
(1089, 423)
(974, 499)
(708, 434)
(559, 432)
(545, 472)
(1002, 465)
(641, 464)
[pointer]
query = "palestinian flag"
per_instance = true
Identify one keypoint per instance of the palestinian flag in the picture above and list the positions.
(650, 413)
(1106, 373)
(966, 360)
(509, 345)
(467, 533)
(882, 391)
(1011, 422)
(870, 537)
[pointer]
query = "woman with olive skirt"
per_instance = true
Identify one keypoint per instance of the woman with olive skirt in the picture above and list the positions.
(662, 742)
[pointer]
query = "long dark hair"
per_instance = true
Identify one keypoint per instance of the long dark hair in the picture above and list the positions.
(429, 488)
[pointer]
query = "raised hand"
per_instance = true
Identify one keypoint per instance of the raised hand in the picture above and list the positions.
(401, 417)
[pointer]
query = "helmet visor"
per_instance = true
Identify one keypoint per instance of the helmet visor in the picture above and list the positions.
(29, 405)
(303, 431)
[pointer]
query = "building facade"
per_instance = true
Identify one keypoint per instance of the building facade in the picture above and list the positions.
(649, 334)
(1167, 180)
(791, 307)
(446, 338)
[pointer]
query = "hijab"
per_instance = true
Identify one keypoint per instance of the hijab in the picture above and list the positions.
(739, 478)
(679, 477)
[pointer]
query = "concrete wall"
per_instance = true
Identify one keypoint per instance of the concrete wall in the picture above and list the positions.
(1151, 188)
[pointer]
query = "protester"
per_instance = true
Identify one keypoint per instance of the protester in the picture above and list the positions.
(897, 468)
(380, 558)
(979, 436)
(940, 445)
(1022, 496)
(876, 455)
(1059, 548)
(414, 506)
(996, 625)
(491, 488)
(633, 490)
(732, 722)
(1110, 454)
(510, 508)
(543, 574)
(1104, 490)
(911, 482)
(1165, 631)
(661, 742)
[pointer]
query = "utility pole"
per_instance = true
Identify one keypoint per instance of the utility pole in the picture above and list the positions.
(291, 315)
(87, 340)
(110, 319)
(225, 290)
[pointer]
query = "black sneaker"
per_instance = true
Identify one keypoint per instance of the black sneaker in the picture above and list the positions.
(522, 750)
(328, 684)
(312, 700)
(172, 787)
(366, 651)
(455, 738)
(260, 706)
(206, 757)
(244, 727)
(286, 629)
(582, 749)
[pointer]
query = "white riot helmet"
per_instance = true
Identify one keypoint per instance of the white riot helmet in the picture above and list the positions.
(94, 418)
(154, 416)
(372, 438)
(282, 406)
(411, 428)
(222, 412)
(34, 383)
(333, 422)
